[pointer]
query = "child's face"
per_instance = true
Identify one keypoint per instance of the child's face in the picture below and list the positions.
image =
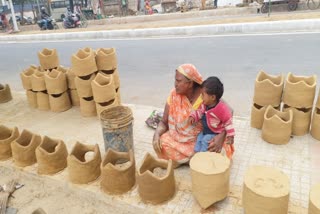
(207, 98)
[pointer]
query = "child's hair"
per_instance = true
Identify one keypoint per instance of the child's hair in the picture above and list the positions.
(213, 86)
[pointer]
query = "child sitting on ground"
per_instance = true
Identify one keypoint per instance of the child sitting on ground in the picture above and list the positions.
(214, 114)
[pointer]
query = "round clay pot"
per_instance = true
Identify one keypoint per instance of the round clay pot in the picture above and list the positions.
(299, 91)
(152, 188)
(115, 75)
(23, 148)
(38, 82)
(314, 200)
(60, 102)
(26, 78)
(5, 93)
(70, 79)
(103, 106)
(7, 135)
(257, 113)
(83, 63)
(88, 107)
(315, 125)
(43, 101)
(32, 98)
(301, 120)
(268, 89)
(75, 100)
(56, 82)
(83, 85)
(106, 59)
(51, 156)
(82, 171)
(48, 58)
(103, 88)
(277, 126)
(118, 177)
(210, 181)
(265, 190)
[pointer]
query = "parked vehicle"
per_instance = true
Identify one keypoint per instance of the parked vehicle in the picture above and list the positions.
(27, 20)
(52, 25)
(78, 21)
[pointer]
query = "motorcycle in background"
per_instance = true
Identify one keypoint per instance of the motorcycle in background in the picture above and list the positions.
(51, 25)
(78, 21)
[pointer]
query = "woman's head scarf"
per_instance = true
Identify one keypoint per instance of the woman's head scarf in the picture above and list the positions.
(191, 72)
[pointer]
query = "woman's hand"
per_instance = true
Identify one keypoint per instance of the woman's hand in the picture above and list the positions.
(156, 142)
(215, 145)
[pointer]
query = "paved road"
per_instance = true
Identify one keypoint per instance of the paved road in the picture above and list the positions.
(147, 66)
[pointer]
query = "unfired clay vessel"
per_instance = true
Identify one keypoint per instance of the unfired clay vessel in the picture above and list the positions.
(318, 101)
(210, 174)
(26, 78)
(265, 190)
(23, 148)
(59, 102)
(116, 179)
(301, 120)
(257, 114)
(103, 106)
(154, 189)
(314, 200)
(277, 126)
(62, 69)
(103, 88)
(48, 58)
(315, 125)
(299, 91)
(115, 74)
(56, 82)
(43, 101)
(88, 107)
(5, 93)
(83, 63)
(38, 82)
(32, 98)
(70, 79)
(106, 59)
(268, 89)
(83, 86)
(51, 156)
(81, 170)
(7, 135)
(75, 100)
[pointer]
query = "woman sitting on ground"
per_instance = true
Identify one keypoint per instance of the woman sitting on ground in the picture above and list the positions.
(175, 136)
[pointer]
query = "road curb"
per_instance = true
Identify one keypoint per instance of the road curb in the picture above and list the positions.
(200, 30)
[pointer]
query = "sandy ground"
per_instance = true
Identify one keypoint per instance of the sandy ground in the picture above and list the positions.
(298, 159)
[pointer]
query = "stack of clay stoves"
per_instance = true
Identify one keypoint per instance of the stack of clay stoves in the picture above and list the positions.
(267, 91)
(298, 95)
(294, 119)
(106, 85)
(46, 85)
(57, 88)
(83, 65)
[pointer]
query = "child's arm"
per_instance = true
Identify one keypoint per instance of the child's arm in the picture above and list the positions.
(197, 114)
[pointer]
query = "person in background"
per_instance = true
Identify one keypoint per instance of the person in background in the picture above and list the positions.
(44, 17)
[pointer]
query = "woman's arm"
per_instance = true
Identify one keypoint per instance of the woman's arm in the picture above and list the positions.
(161, 129)
(215, 145)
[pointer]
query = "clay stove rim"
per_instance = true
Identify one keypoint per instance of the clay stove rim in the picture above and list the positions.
(106, 51)
(275, 80)
(102, 80)
(159, 163)
(310, 81)
(87, 148)
(11, 131)
(22, 135)
(46, 52)
(48, 140)
(285, 117)
(124, 155)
